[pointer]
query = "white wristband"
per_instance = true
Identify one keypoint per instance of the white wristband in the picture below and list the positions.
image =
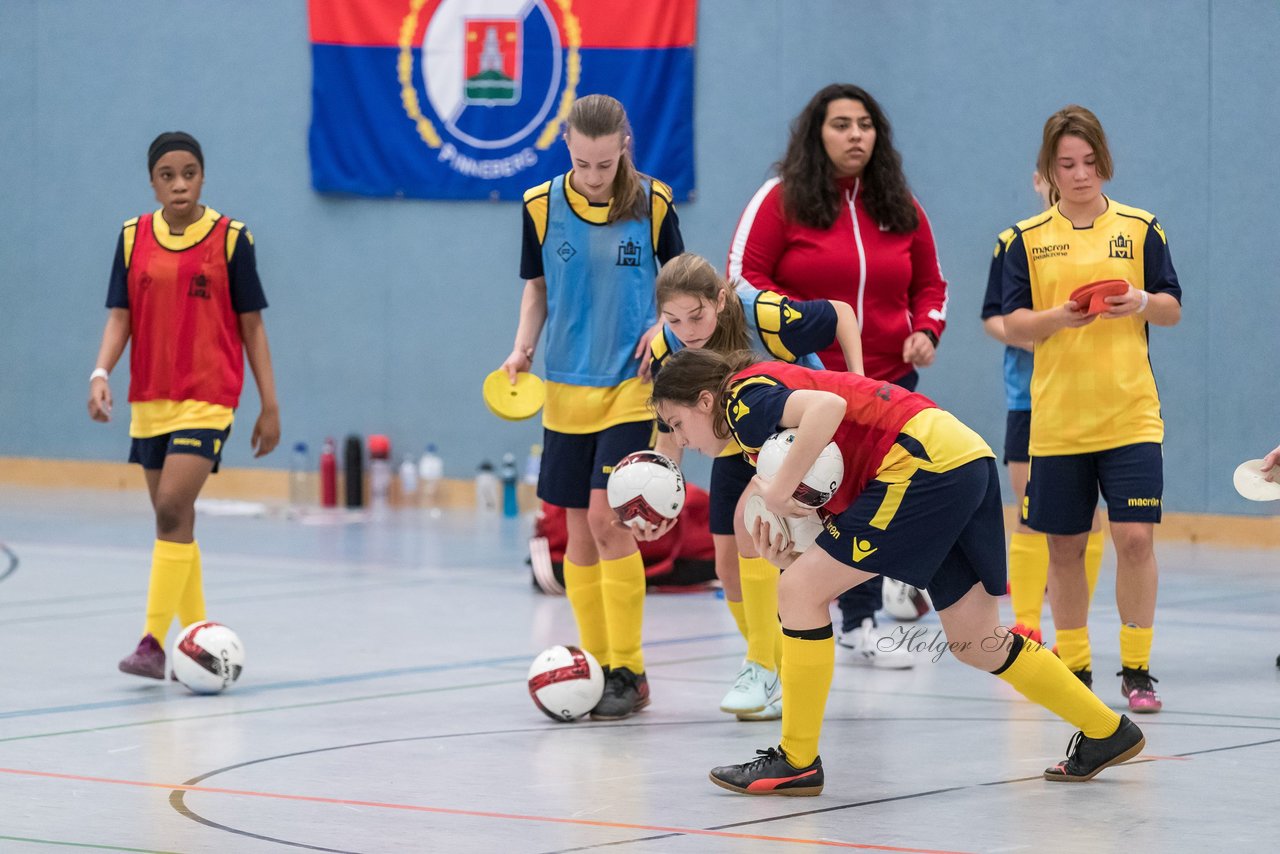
(1145, 298)
(99, 373)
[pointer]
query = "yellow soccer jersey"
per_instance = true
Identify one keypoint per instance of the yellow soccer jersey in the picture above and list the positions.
(1092, 388)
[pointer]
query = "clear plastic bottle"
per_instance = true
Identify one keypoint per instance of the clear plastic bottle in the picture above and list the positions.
(430, 475)
(533, 465)
(510, 499)
(300, 491)
(379, 471)
(408, 482)
(487, 495)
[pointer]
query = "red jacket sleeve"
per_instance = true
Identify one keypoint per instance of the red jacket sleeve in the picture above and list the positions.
(928, 292)
(760, 239)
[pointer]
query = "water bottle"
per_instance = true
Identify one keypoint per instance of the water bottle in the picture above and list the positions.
(353, 471)
(408, 481)
(486, 489)
(510, 500)
(379, 471)
(300, 477)
(533, 465)
(329, 474)
(430, 474)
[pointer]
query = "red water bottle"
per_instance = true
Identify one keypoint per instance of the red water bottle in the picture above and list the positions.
(329, 474)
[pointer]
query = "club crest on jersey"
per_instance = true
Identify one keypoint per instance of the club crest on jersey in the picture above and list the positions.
(488, 84)
(566, 251)
(199, 286)
(628, 253)
(1121, 246)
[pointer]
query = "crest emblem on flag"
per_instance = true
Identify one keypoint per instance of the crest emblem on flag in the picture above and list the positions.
(493, 61)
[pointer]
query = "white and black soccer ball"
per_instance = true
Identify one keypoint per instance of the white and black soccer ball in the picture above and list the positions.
(904, 602)
(565, 682)
(207, 657)
(646, 488)
(819, 483)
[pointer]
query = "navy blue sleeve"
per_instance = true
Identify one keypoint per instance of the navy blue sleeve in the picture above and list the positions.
(242, 270)
(670, 241)
(808, 326)
(531, 248)
(755, 410)
(1158, 274)
(993, 301)
(118, 286)
(1016, 277)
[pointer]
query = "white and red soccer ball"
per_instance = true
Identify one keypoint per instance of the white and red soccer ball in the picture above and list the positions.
(646, 489)
(819, 483)
(207, 657)
(565, 682)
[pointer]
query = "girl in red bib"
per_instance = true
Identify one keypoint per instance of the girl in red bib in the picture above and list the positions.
(920, 503)
(185, 294)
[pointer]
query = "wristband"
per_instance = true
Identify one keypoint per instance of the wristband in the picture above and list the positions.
(932, 336)
(1145, 298)
(99, 373)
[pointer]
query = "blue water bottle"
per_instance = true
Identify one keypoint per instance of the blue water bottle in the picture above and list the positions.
(510, 500)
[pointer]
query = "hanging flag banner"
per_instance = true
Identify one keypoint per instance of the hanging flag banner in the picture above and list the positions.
(467, 99)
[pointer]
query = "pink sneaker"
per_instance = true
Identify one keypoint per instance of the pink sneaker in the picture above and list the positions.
(147, 660)
(1135, 684)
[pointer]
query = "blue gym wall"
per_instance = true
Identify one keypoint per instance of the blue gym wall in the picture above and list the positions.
(386, 314)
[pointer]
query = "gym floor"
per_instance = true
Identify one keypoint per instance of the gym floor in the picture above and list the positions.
(383, 708)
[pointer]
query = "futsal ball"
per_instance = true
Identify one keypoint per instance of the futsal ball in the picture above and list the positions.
(646, 489)
(798, 532)
(565, 682)
(904, 602)
(819, 483)
(207, 657)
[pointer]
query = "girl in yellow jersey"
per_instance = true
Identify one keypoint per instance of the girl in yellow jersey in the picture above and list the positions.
(593, 241)
(1095, 411)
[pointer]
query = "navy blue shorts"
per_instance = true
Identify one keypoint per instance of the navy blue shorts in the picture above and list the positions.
(150, 452)
(729, 479)
(1062, 491)
(942, 531)
(1017, 436)
(573, 464)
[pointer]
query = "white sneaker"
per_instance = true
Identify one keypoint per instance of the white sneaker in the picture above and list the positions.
(869, 648)
(751, 690)
(771, 712)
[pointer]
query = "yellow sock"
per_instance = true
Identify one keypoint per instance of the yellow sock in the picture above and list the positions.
(191, 605)
(1135, 647)
(1093, 560)
(1028, 574)
(1073, 648)
(739, 616)
(1042, 678)
(582, 586)
(622, 588)
(760, 603)
(811, 657)
(170, 566)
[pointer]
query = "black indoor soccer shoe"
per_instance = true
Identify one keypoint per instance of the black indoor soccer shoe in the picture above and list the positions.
(1087, 756)
(1085, 675)
(625, 693)
(770, 774)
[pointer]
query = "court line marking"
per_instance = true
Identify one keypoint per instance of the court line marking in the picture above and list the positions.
(83, 845)
(341, 679)
(579, 822)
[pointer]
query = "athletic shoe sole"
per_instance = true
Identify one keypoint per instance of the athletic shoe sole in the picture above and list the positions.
(795, 792)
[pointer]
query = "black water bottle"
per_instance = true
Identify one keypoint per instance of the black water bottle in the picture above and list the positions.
(353, 470)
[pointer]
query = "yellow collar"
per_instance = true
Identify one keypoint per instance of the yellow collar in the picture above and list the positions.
(195, 232)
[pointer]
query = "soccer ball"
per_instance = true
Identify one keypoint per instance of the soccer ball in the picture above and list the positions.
(819, 483)
(207, 657)
(904, 602)
(646, 489)
(565, 682)
(798, 532)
